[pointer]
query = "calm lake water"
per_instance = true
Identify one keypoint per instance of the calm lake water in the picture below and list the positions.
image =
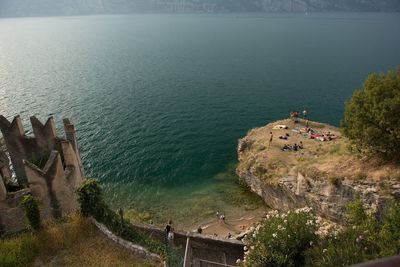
(159, 101)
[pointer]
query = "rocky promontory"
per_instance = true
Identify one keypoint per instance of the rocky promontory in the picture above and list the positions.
(320, 171)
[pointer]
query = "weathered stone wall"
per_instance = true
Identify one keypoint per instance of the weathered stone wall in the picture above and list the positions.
(5, 174)
(52, 185)
(17, 144)
(12, 214)
(3, 192)
(136, 250)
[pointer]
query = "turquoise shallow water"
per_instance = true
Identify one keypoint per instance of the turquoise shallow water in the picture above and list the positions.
(159, 101)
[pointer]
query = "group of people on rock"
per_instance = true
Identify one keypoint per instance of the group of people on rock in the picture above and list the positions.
(295, 147)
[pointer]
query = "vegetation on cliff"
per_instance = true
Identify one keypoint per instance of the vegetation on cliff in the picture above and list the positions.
(371, 120)
(297, 239)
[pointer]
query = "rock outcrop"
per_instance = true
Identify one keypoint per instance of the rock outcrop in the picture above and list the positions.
(327, 196)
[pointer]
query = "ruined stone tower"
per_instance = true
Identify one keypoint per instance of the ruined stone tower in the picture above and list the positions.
(50, 167)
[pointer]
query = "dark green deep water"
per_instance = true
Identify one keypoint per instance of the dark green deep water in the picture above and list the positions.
(159, 101)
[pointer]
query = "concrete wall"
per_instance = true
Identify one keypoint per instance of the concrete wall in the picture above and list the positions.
(201, 247)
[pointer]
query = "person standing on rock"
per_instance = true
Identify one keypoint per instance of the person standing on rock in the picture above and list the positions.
(271, 137)
(305, 117)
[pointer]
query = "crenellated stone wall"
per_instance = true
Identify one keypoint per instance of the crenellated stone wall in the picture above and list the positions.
(52, 184)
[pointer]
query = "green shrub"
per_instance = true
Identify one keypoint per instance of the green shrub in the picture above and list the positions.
(282, 240)
(356, 214)
(291, 239)
(32, 212)
(366, 238)
(389, 236)
(40, 160)
(354, 245)
(371, 116)
(90, 197)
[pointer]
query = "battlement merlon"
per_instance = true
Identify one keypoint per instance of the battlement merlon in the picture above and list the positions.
(13, 132)
(22, 147)
(14, 128)
(70, 135)
(45, 134)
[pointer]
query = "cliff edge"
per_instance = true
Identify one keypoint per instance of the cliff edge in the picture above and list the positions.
(317, 168)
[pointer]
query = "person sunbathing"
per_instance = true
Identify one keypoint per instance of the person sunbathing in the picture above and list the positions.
(295, 147)
(286, 147)
(301, 146)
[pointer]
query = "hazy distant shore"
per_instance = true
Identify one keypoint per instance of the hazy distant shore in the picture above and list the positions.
(9, 8)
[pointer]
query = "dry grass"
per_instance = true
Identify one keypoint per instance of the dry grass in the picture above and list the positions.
(331, 160)
(74, 243)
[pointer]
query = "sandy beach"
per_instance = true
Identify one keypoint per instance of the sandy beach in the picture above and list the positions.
(232, 227)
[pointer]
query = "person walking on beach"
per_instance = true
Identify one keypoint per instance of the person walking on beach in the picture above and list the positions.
(221, 218)
(271, 137)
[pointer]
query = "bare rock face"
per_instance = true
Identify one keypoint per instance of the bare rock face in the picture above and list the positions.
(327, 199)
(326, 196)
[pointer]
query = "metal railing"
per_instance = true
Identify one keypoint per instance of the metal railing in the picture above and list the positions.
(216, 263)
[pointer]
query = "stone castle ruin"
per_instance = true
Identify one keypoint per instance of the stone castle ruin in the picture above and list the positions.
(44, 165)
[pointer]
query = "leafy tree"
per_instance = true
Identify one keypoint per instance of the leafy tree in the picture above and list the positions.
(372, 116)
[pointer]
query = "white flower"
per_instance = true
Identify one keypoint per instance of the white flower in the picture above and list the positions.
(274, 235)
(325, 250)
(311, 243)
(238, 261)
(245, 248)
(281, 228)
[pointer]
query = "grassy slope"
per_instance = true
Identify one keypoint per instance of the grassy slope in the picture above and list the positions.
(74, 243)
